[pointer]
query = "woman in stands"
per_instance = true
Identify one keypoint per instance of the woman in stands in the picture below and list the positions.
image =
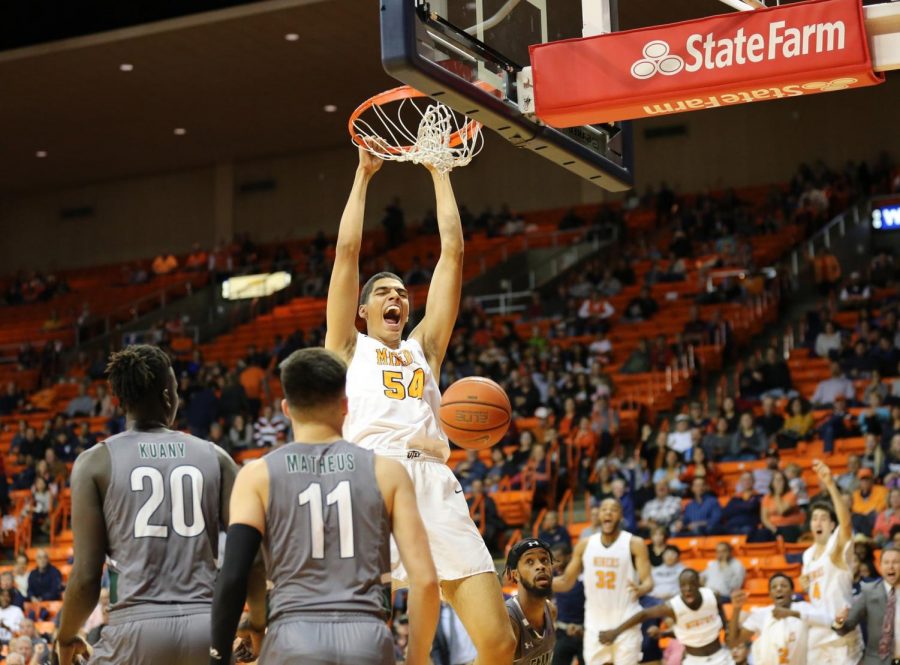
(779, 511)
(671, 472)
(888, 518)
(701, 467)
(798, 425)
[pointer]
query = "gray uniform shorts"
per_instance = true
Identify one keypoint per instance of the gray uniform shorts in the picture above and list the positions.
(300, 642)
(182, 640)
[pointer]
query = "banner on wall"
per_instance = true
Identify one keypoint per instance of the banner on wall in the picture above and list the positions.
(776, 53)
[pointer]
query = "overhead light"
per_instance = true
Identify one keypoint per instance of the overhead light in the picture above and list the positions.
(40, 154)
(126, 67)
(180, 131)
(292, 36)
(330, 108)
(255, 286)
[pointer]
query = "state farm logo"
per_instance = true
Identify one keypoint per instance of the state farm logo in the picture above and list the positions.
(657, 60)
(711, 51)
(830, 86)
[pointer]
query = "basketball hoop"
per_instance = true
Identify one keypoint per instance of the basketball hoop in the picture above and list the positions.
(442, 137)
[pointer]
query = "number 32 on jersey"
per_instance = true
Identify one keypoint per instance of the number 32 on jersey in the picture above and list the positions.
(394, 388)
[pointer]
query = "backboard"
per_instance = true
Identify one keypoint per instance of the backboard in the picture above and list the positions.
(470, 55)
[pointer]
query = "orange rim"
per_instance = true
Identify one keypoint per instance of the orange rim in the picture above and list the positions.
(398, 95)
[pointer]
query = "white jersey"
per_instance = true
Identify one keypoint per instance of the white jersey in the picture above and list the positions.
(697, 628)
(830, 589)
(394, 401)
(782, 641)
(607, 573)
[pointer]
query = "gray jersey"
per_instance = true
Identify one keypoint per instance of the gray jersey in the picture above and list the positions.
(327, 542)
(162, 523)
(532, 649)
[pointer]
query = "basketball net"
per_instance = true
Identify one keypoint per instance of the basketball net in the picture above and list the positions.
(443, 138)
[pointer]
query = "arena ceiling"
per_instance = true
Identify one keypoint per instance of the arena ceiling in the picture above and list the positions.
(229, 78)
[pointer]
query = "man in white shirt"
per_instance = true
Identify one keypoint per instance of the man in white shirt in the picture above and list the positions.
(10, 617)
(680, 440)
(724, 574)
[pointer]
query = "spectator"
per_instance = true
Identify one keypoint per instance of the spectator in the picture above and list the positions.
(680, 440)
(730, 414)
(748, 443)
(838, 425)
(828, 341)
(202, 410)
(417, 274)
(868, 500)
(849, 481)
(770, 421)
(609, 285)
(20, 574)
(695, 330)
(552, 532)
(702, 513)
(12, 400)
(82, 404)
(702, 467)
(798, 486)
(798, 425)
(593, 523)
(639, 360)
(671, 472)
(665, 577)
(596, 307)
(7, 583)
(776, 375)
(256, 386)
(642, 307)
(240, 434)
(10, 616)
(39, 644)
(827, 271)
(828, 390)
(751, 380)
(779, 512)
(855, 293)
(887, 519)
(661, 510)
(658, 544)
(45, 581)
(697, 419)
(163, 265)
(41, 503)
(626, 501)
(876, 387)
(741, 513)
(233, 398)
(717, 444)
(197, 260)
(724, 574)
(267, 429)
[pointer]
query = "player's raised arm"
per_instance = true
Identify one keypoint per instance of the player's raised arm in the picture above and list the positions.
(642, 566)
(845, 523)
(343, 290)
(442, 306)
(565, 582)
(89, 529)
(245, 532)
(409, 533)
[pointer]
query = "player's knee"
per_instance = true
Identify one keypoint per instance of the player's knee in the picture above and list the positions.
(502, 645)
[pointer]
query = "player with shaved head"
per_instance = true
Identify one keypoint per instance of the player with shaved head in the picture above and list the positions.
(616, 567)
(698, 619)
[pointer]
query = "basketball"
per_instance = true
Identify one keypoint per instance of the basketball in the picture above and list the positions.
(475, 413)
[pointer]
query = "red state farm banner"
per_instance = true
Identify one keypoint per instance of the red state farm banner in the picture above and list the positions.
(786, 51)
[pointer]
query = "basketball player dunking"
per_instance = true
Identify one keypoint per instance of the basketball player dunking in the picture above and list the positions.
(152, 500)
(698, 616)
(394, 401)
(616, 569)
(827, 577)
(532, 616)
(324, 511)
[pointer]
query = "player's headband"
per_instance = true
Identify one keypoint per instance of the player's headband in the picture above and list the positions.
(518, 550)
